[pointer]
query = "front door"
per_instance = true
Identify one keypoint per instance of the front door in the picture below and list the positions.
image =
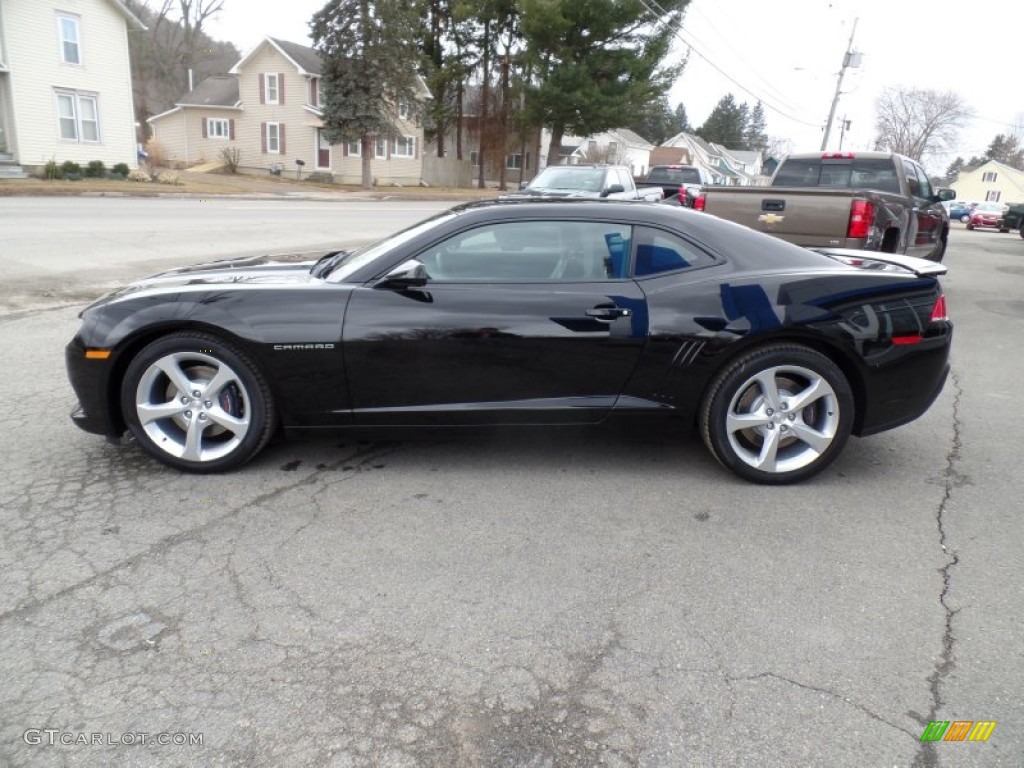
(519, 322)
(323, 151)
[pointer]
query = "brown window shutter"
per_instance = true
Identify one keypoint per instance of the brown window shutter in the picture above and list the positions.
(344, 149)
(263, 89)
(312, 91)
(206, 130)
(390, 140)
(280, 88)
(280, 133)
(415, 148)
(263, 137)
(231, 128)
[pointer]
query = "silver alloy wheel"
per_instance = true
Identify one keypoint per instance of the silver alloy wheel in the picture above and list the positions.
(193, 406)
(782, 419)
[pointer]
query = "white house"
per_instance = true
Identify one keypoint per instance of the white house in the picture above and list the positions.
(991, 182)
(619, 146)
(723, 165)
(268, 110)
(65, 82)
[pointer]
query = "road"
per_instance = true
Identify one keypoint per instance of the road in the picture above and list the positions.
(546, 600)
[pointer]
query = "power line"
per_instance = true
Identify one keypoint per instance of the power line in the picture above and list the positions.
(679, 28)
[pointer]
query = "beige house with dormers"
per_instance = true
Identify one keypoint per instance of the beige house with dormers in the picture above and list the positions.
(268, 108)
(65, 83)
(991, 182)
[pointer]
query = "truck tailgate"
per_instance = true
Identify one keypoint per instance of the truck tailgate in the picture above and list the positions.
(808, 217)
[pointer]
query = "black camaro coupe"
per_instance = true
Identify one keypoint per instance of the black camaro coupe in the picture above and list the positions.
(512, 313)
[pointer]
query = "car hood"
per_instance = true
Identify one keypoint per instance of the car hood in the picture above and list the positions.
(536, 194)
(264, 271)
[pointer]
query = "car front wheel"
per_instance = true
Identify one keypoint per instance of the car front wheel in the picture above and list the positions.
(778, 414)
(197, 403)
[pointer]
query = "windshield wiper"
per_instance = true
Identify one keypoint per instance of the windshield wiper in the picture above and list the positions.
(327, 262)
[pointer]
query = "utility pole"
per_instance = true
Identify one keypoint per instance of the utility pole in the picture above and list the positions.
(844, 126)
(850, 59)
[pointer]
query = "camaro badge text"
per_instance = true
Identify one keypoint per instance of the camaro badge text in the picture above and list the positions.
(292, 347)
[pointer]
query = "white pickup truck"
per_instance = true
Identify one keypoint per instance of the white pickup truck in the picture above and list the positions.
(611, 182)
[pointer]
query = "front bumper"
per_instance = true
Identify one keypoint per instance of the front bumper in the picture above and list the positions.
(90, 379)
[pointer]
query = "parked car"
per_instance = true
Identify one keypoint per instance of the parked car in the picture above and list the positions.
(1014, 218)
(876, 201)
(613, 182)
(680, 184)
(550, 313)
(959, 210)
(987, 216)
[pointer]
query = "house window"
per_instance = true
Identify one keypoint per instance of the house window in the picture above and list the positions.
(273, 138)
(992, 196)
(989, 176)
(70, 50)
(613, 148)
(355, 148)
(514, 161)
(271, 89)
(77, 117)
(314, 92)
(403, 110)
(591, 146)
(217, 128)
(474, 158)
(380, 147)
(405, 146)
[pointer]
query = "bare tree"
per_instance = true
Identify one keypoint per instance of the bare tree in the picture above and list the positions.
(919, 122)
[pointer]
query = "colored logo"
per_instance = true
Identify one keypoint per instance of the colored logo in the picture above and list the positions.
(958, 730)
(770, 218)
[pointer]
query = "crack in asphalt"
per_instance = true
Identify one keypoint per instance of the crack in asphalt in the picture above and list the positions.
(926, 756)
(826, 691)
(360, 455)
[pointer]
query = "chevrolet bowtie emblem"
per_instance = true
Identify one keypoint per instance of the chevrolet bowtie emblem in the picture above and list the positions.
(770, 218)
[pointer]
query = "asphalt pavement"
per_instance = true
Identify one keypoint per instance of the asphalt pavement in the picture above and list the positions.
(531, 600)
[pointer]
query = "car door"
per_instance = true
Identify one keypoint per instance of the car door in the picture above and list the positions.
(517, 322)
(926, 215)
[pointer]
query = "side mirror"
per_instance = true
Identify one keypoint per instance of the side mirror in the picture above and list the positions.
(523, 184)
(943, 194)
(408, 274)
(614, 188)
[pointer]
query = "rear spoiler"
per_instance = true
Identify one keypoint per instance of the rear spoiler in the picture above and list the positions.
(877, 260)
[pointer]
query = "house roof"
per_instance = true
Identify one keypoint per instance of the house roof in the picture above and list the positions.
(630, 137)
(746, 156)
(132, 19)
(305, 58)
(215, 91)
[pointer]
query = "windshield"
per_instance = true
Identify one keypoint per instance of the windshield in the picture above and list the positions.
(674, 175)
(844, 173)
(568, 177)
(348, 262)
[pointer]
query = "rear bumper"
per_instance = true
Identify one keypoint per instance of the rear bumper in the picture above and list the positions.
(899, 397)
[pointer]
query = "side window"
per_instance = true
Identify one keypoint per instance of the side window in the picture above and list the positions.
(624, 178)
(568, 251)
(912, 181)
(658, 252)
(926, 185)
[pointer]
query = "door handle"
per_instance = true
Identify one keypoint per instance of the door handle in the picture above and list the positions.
(607, 314)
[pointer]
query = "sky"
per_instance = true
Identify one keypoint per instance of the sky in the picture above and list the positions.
(787, 54)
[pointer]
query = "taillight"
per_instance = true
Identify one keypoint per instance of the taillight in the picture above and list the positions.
(838, 156)
(698, 203)
(862, 213)
(681, 194)
(939, 310)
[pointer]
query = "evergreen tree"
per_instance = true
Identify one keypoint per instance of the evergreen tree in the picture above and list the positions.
(726, 125)
(1006, 148)
(656, 122)
(755, 137)
(953, 171)
(368, 49)
(595, 61)
(681, 121)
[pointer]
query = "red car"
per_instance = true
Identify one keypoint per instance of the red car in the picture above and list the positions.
(987, 215)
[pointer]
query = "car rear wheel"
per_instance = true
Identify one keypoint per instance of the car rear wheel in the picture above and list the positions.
(197, 403)
(970, 226)
(778, 414)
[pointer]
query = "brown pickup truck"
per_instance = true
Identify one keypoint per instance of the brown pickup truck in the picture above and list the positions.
(875, 201)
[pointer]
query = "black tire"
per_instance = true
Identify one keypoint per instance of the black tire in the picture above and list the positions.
(970, 226)
(806, 438)
(170, 408)
(1022, 230)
